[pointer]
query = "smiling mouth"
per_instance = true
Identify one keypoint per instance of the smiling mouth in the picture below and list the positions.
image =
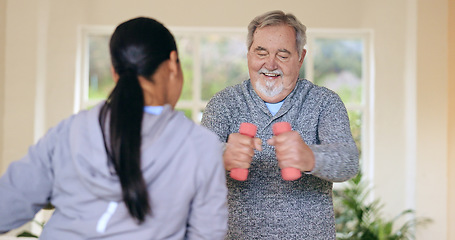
(271, 74)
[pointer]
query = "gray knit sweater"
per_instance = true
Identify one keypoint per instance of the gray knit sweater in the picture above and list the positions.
(265, 206)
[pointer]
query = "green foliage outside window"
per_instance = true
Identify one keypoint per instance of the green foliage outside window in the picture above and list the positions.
(100, 79)
(355, 120)
(338, 66)
(185, 48)
(223, 63)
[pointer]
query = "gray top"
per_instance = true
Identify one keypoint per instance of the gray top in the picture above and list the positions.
(265, 206)
(181, 164)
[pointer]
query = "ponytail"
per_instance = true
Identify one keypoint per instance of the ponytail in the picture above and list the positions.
(137, 48)
(125, 105)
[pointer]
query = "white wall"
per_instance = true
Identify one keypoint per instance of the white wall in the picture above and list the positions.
(410, 90)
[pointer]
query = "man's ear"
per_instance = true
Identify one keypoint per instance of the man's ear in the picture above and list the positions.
(115, 75)
(302, 56)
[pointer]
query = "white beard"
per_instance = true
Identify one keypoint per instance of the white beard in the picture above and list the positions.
(270, 89)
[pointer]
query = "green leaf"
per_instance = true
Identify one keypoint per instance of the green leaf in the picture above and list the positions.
(357, 218)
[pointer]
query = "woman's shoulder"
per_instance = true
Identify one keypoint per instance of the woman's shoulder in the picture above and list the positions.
(200, 135)
(197, 140)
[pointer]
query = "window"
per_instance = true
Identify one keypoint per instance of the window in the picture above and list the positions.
(94, 81)
(213, 59)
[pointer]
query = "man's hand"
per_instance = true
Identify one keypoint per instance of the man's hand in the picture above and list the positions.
(240, 150)
(292, 151)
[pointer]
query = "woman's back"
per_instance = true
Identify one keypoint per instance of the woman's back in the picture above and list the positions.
(116, 172)
(181, 165)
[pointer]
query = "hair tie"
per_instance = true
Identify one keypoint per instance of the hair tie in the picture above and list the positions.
(127, 72)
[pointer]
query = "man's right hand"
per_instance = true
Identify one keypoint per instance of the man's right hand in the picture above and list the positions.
(239, 151)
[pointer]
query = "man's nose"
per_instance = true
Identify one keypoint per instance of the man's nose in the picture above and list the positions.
(270, 63)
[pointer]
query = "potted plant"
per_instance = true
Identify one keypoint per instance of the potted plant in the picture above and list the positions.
(360, 219)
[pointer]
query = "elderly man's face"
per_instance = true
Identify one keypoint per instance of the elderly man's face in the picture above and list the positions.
(273, 62)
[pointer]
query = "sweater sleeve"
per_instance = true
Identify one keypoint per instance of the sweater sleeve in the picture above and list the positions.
(208, 216)
(336, 155)
(26, 186)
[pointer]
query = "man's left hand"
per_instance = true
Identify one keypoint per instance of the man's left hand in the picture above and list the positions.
(292, 151)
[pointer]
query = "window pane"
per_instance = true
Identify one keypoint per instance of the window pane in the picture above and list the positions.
(185, 46)
(302, 72)
(355, 119)
(338, 66)
(100, 79)
(223, 62)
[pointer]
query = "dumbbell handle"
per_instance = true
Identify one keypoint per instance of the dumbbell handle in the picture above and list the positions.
(289, 173)
(248, 129)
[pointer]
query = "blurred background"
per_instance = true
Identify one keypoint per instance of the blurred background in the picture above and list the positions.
(392, 62)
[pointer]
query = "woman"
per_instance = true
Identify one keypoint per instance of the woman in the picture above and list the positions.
(129, 168)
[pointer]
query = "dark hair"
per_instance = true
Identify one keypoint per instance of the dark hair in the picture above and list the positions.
(137, 48)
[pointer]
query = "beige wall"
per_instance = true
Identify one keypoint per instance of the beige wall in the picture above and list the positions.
(40, 53)
(235, 13)
(20, 78)
(451, 122)
(432, 115)
(2, 74)
(410, 95)
(64, 20)
(390, 41)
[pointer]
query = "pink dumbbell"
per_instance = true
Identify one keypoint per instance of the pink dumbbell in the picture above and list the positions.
(288, 174)
(248, 129)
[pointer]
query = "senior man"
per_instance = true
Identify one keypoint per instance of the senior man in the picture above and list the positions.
(320, 145)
